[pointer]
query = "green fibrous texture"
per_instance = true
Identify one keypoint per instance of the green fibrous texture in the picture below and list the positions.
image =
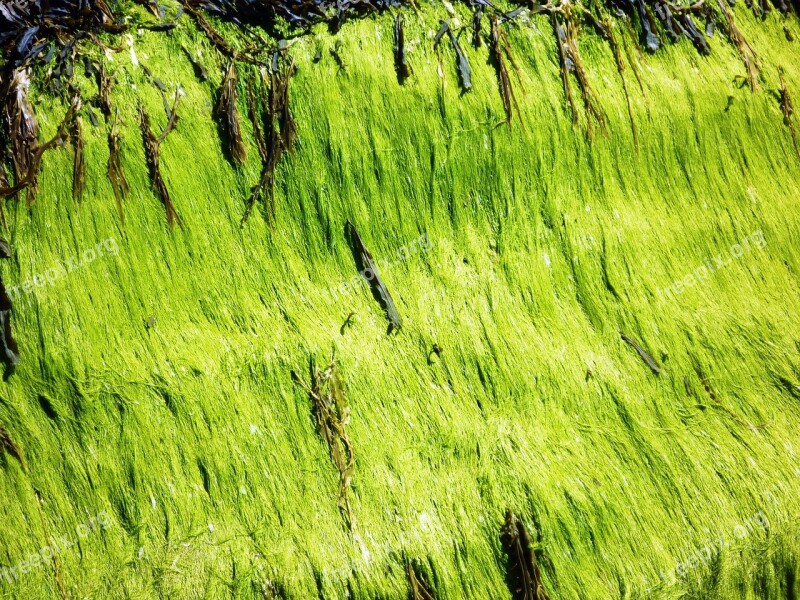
(163, 435)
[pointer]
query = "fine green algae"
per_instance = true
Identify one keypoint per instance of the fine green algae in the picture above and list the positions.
(162, 434)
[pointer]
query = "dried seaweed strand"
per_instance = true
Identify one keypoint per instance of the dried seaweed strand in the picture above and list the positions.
(279, 136)
(499, 46)
(400, 62)
(152, 147)
(716, 403)
(787, 108)
(252, 113)
(746, 52)
(608, 28)
(590, 101)
(646, 357)
(332, 413)
(464, 71)
(379, 289)
(116, 173)
(79, 162)
(28, 179)
(525, 578)
(21, 126)
(229, 115)
(416, 583)
(10, 446)
(105, 82)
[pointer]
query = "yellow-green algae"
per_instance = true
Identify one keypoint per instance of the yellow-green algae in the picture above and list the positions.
(186, 428)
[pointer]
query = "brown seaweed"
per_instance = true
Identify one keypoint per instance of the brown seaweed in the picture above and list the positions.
(199, 70)
(716, 403)
(366, 265)
(79, 162)
(116, 173)
(524, 577)
(645, 356)
(608, 29)
(746, 52)
(104, 83)
(499, 47)
(565, 30)
(8, 444)
(8, 345)
(228, 112)
(34, 160)
(279, 134)
(332, 413)
(400, 61)
(21, 125)
(787, 108)
(152, 147)
(464, 72)
(417, 585)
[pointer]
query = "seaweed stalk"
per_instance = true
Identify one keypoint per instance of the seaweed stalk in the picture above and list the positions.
(152, 147)
(10, 446)
(79, 162)
(644, 354)
(22, 128)
(419, 588)
(746, 52)
(524, 576)
(332, 413)
(400, 62)
(278, 138)
(229, 115)
(116, 173)
(34, 160)
(787, 108)
(369, 270)
(608, 28)
(500, 45)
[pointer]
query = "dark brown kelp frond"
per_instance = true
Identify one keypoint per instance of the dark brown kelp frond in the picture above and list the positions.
(566, 31)
(216, 39)
(79, 163)
(199, 70)
(20, 122)
(332, 413)
(252, 113)
(10, 446)
(116, 173)
(499, 46)
(152, 147)
(400, 62)
(524, 577)
(464, 72)
(787, 108)
(645, 356)
(746, 52)
(8, 345)
(369, 270)
(28, 179)
(417, 585)
(279, 134)
(104, 84)
(228, 113)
